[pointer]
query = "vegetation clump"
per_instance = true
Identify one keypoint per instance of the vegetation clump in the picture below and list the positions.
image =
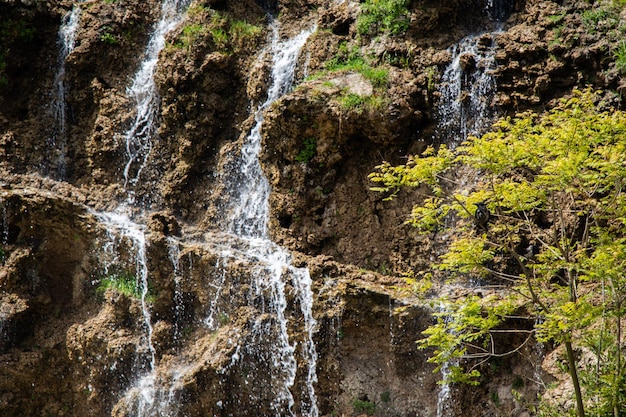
(225, 34)
(350, 60)
(364, 406)
(308, 151)
(124, 283)
(383, 16)
(554, 251)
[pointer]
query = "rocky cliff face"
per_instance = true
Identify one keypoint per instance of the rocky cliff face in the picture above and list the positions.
(71, 346)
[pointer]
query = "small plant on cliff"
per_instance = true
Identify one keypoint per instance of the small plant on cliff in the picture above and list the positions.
(308, 151)
(109, 37)
(350, 59)
(364, 406)
(554, 245)
(227, 35)
(619, 54)
(123, 283)
(386, 16)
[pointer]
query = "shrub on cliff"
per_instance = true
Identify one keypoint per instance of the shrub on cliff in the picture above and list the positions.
(383, 16)
(555, 247)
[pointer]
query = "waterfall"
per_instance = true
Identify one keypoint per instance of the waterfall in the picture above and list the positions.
(249, 210)
(143, 92)
(445, 394)
(119, 226)
(465, 108)
(467, 88)
(174, 254)
(266, 351)
(249, 213)
(65, 41)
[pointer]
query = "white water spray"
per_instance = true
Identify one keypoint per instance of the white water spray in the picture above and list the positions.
(249, 208)
(143, 92)
(120, 226)
(467, 88)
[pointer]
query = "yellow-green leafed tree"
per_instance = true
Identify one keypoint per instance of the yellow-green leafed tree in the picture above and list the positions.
(554, 185)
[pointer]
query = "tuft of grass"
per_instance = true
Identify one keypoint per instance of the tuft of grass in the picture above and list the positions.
(383, 16)
(220, 37)
(242, 31)
(358, 104)
(190, 35)
(351, 60)
(619, 54)
(123, 283)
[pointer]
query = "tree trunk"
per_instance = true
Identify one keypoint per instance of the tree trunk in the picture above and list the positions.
(618, 359)
(580, 407)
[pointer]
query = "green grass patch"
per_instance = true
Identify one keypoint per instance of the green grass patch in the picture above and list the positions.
(351, 60)
(241, 31)
(383, 16)
(619, 54)
(124, 283)
(359, 104)
(600, 20)
(227, 35)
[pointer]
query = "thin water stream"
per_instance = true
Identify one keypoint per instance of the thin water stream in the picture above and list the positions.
(467, 89)
(143, 92)
(66, 39)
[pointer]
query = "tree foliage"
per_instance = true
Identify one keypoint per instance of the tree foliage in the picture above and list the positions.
(555, 246)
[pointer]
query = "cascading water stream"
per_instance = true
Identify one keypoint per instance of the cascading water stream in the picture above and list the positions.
(119, 226)
(465, 108)
(249, 208)
(467, 87)
(66, 41)
(271, 269)
(143, 92)
(138, 143)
